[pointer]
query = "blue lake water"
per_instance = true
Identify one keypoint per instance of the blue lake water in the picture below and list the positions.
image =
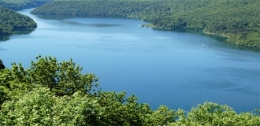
(176, 69)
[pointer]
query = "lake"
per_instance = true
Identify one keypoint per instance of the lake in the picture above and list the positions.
(176, 69)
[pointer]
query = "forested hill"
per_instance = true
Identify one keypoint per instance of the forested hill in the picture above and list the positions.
(238, 20)
(22, 4)
(11, 21)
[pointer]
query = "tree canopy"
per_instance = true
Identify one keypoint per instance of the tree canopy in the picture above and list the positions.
(11, 21)
(238, 20)
(58, 93)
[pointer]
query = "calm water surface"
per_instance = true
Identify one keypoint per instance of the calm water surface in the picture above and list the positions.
(176, 69)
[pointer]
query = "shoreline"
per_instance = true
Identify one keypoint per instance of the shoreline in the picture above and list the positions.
(225, 36)
(215, 34)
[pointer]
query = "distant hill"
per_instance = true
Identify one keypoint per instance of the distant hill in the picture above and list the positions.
(22, 4)
(11, 21)
(238, 20)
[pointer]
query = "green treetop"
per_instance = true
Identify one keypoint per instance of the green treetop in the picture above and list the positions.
(58, 93)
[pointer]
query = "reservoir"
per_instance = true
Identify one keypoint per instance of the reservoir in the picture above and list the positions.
(176, 69)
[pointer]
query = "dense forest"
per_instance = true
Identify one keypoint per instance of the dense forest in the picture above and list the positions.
(56, 93)
(11, 21)
(22, 4)
(238, 20)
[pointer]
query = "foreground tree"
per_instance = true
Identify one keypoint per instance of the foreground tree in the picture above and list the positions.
(2, 66)
(57, 93)
(63, 78)
(213, 114)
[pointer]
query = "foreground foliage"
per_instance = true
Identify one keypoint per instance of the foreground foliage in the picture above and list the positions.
(2, 66)
(238, 20)
(57, 93)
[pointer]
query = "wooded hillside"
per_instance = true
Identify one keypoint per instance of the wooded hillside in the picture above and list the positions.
(22, 4)
(238, 20)
(11, 21)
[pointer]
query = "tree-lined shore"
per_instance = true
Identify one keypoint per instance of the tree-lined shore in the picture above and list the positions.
(11, 21)
(237, 20)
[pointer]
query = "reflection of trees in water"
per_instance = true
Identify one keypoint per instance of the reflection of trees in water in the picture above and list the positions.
(215, 37)
(4, 37)
(23, 31)
(16, 32)
(57, 17)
